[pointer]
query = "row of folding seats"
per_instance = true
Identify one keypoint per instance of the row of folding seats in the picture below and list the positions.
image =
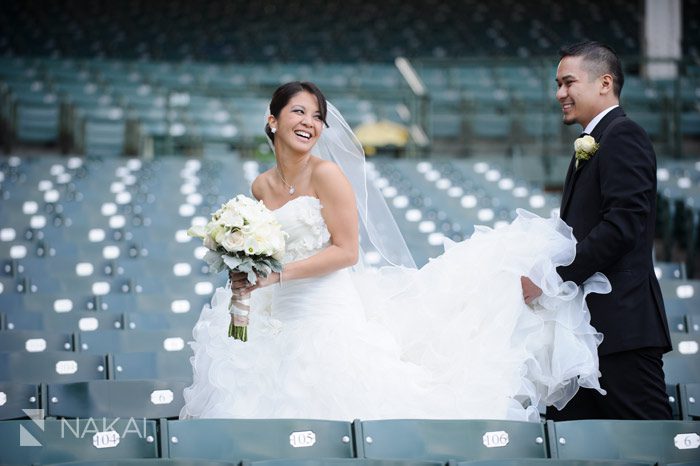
(678, 215)
(335, 34)
(105, 341)
(152, 397)
(439, 441)
(132, 108)
(123, 398)
(63, 367)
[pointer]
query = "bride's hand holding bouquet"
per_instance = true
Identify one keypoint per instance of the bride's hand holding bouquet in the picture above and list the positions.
(242, 236)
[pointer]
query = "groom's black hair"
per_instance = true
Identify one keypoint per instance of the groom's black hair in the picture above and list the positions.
(601, 59)
(285, 92)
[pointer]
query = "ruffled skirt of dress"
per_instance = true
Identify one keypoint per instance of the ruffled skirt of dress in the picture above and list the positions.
(452, 340)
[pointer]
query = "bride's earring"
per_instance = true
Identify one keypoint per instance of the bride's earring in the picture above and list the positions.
(274, 130)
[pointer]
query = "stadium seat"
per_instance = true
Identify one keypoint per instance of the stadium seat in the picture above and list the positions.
(120, 341)
(693, 323)
(658, 441)
(690, 400)
(52, 366)
(38, 122)
(552, 462)
(674, 400)
(104, 137)
(35, 341)
(341, 462)
(257, 439)
(670, 270)
(40, 441)
(178, 316)
(173, 366)
(441, 440)
(69, 322)
(681, 368)
(491, 126)
(15, 397)
(146, 462)
(152, 399)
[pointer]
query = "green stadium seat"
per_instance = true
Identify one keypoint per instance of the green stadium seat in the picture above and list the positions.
(341, 462)
(152, 365)
(681, 368)
(674, 399)
(146, 462)
(120, 341)
(257, 439)
(690, 124)
(104, 137)
(52, 366)
(40, 441)
(152, 399)
(652, 122)
(35, 341)
(492, 126)
(552, 462)
(670, 270)
(690, 400)
(443, 440)
(693, 322)
(15, 397)
(73, 321)
(163, 320)
(658, 441)
(37, 123)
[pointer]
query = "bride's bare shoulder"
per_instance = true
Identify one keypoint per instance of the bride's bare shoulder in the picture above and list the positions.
(262, 184)
(325, 170)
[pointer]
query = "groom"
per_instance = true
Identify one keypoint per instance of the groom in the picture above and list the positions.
(610, 202)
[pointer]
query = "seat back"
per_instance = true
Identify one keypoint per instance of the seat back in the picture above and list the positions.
(681, 368)
(52, 441)
(151, 365)
(256, 439)
(47, 367)
(689, 394)
(443, 440)
(16, 397)
(152, 399)
(659, 441)
(35, 342)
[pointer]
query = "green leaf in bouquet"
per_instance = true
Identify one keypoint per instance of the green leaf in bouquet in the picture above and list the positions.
(275, 265)
(232, 262)
(262, 268)
(247, 266)
(214, 260)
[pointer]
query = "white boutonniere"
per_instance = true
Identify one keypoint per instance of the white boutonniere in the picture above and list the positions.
(585, 148)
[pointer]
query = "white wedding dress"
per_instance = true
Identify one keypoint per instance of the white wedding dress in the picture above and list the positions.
(452, 340)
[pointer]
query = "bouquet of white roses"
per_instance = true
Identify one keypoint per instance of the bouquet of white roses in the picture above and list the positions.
(243, 235)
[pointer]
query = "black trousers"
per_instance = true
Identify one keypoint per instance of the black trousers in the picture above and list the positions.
(634, 381)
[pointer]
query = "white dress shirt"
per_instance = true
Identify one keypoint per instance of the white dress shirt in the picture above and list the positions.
(592, 124)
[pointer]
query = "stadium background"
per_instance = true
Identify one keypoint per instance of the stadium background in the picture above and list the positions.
(124, 122)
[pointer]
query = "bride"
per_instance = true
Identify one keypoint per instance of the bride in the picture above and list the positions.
(331, 339)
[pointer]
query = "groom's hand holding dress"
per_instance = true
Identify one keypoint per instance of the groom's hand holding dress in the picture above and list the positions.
(609, 200)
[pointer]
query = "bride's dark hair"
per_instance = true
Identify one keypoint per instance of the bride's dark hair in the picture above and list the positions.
(285, 92)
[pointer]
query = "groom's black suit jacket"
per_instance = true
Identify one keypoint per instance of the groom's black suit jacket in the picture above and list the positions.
(610, 202)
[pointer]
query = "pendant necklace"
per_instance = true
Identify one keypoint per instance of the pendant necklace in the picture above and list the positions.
(291, 187)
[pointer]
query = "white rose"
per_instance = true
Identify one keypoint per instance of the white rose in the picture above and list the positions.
(231, 219)
(233, 242)
(585, 144)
